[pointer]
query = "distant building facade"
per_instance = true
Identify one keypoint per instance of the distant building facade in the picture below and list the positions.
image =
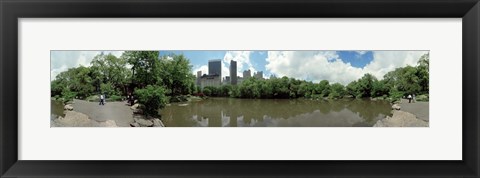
(258, 75)
(233, 72)
(210, 80)
(247, 74)
(227, 80)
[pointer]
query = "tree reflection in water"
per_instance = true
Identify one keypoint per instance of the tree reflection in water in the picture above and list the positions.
(232, 112)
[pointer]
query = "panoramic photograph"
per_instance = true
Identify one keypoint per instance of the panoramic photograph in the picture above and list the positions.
(256, 88)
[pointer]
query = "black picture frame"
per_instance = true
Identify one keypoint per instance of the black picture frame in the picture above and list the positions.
(11, 10)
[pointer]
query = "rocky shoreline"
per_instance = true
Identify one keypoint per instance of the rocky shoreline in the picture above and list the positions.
(77, 119)
(401, 119)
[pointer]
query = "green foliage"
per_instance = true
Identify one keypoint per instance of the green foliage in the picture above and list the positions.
(68, 95)
(152, 98)
(424, 97)
(207, 91)
(175, 71)
(107, 89)
(337, 91)
(114, 98)
(145, 67)
(395, 95)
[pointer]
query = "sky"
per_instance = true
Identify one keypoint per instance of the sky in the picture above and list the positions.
(334, 66)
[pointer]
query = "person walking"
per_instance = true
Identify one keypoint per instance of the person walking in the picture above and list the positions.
(414, 99)
(409, 98)
(102, 98)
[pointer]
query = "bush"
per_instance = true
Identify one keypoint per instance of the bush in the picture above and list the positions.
(93, 98)
(422, 97)
(207, 92)
(395, 95)
(114, 98)
(152, 98)
(68, 95)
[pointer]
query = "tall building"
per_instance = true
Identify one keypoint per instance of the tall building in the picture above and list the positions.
(247, 74)
(233, 72)
(199, 75)
(215, 67)
(258, 75)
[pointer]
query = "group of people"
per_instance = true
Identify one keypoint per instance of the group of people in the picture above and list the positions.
(411, 98)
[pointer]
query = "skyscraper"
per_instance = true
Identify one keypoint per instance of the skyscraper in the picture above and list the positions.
(199, 74)
(215, 67)
(233, 72)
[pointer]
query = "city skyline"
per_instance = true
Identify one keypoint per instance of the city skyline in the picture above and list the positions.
(336, 66)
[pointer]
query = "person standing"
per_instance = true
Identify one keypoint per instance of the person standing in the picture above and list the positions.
(409, 98)
(414, 100)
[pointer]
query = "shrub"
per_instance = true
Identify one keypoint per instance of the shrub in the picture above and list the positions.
(422, 97)
(114, 98)
(395, 95)
(207, 91)
(152, 98)
(68, 95)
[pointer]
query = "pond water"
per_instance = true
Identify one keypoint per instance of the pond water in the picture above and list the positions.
(233, 112)
(56, 109)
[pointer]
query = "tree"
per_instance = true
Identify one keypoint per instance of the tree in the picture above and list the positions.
(337, 91)
(423, 72)
(176, 74)
(152, 98)
(365, 85)
(323, 88)
(145, 67)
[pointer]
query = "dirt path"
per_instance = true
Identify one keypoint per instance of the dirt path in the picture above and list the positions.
(419, 109)
(117, 111)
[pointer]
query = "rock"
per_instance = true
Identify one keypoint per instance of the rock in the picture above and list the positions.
(73, 119)
(401, 119)
(137, 111)
(68, 107)
(135, 106)
(396, 107)
(144, 122)
(158, 123)
(110, 123)
(183, 104)
(134, 124)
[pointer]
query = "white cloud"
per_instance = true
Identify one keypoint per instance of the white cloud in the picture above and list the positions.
(63, 60)
(203, 68)
(326, 65)
(243, 62)
(361, 52)
(386, 61)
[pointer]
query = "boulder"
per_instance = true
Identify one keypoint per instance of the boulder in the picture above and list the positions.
(137, 111)
(158, 123)
(396, 107)
(73, 119)
(135, 106)
(68, 107)
(144, 122)
(401, 119)
(134, 124)
(110, 123)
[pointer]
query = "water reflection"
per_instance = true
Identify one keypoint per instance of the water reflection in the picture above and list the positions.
(56, 109)
(231, 112)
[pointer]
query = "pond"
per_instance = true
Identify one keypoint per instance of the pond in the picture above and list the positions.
(56, 109)
(233, 112)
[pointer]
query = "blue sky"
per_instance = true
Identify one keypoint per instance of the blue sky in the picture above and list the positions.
(358, 59)
(334, 66)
